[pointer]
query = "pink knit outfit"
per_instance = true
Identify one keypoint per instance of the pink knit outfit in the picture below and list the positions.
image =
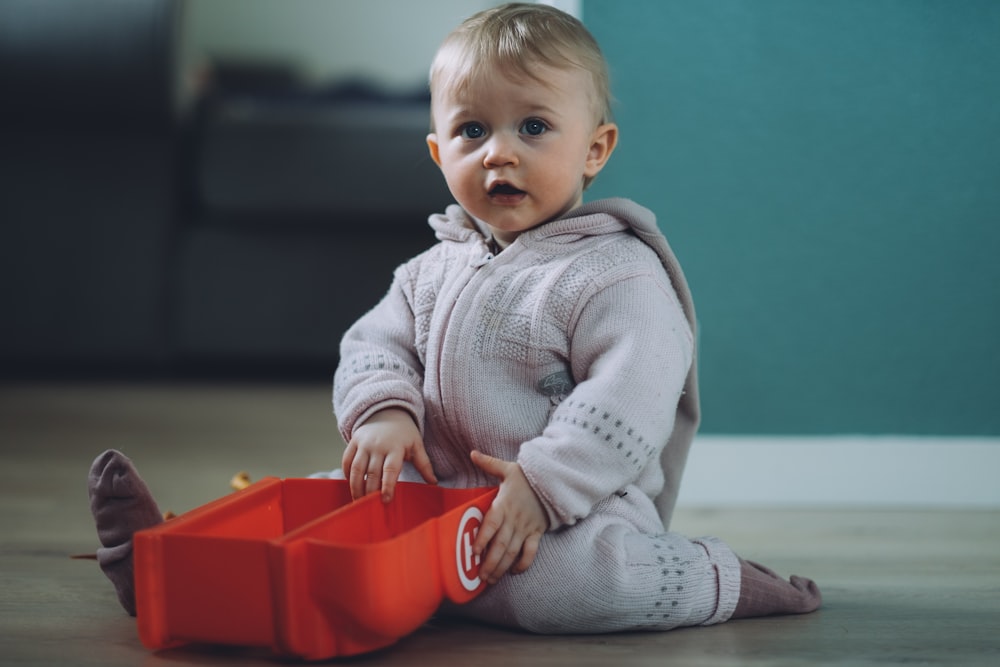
(571, 352)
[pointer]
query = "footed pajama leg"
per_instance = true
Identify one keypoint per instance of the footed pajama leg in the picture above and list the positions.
(121, 504)
(764, 593)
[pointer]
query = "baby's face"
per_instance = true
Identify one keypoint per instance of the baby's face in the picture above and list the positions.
(515, 152)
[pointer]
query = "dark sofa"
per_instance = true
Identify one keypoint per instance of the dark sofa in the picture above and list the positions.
(240, 237)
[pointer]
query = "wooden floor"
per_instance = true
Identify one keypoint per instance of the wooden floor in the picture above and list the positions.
(914, 587)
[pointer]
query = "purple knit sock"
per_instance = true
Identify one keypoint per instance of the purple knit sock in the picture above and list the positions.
(121, 505)
(764, 593)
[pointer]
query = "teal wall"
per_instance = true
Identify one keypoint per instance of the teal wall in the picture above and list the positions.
(829, 175)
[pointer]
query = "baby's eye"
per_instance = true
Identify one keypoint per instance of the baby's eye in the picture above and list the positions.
(534, 127)
(472, 131)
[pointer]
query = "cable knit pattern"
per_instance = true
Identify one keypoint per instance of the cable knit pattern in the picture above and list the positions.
(571, 352)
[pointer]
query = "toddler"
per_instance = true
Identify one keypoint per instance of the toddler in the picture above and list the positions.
(543, 344)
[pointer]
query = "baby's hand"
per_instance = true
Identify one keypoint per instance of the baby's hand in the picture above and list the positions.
(374, 457)
(513, 527)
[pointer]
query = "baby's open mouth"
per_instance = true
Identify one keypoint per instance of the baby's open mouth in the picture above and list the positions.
(505, 189)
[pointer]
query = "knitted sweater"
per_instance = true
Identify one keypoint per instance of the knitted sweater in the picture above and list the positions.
(571, 351)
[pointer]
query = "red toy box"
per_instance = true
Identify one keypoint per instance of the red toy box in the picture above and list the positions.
(294, 565)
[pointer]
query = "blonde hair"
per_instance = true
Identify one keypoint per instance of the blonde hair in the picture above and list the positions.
(513, 39)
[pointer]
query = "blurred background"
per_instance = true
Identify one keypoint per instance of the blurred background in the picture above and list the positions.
(217, 188)
(208, 187)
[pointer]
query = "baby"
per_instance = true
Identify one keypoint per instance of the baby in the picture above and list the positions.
(543, 344)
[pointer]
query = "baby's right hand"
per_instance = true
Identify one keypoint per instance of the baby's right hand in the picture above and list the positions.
(374, 458)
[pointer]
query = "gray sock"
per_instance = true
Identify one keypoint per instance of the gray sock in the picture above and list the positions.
(121, 504)
(764, 593)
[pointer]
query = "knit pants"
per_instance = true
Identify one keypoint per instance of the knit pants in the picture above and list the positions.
(601, 575)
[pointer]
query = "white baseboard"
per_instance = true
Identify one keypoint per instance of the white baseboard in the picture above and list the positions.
(843, 471)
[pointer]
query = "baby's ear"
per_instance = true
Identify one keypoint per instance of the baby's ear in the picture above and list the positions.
(602, 145)
(432, 146)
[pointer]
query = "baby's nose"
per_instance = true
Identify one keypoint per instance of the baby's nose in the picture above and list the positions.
(500, 152)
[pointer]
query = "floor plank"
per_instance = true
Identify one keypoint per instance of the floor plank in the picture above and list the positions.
(917, 587)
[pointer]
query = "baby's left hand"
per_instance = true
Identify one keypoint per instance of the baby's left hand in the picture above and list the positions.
(513, 527)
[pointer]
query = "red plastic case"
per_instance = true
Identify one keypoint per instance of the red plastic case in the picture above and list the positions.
(294, 565)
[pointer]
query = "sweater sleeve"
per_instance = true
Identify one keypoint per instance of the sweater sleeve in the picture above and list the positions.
(631, 350)
(379, 366)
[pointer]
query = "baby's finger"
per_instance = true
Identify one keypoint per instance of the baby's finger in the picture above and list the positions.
(500, 556)
(348, 458)
(487, 530)
(528, 552)
(373, 475)
(356, 475)
(391, 469)
(422, 463)
(490, 464)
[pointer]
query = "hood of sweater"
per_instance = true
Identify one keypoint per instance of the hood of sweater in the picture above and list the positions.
(602, 216)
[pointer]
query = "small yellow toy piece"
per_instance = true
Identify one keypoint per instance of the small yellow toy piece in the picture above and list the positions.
(240, 481)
